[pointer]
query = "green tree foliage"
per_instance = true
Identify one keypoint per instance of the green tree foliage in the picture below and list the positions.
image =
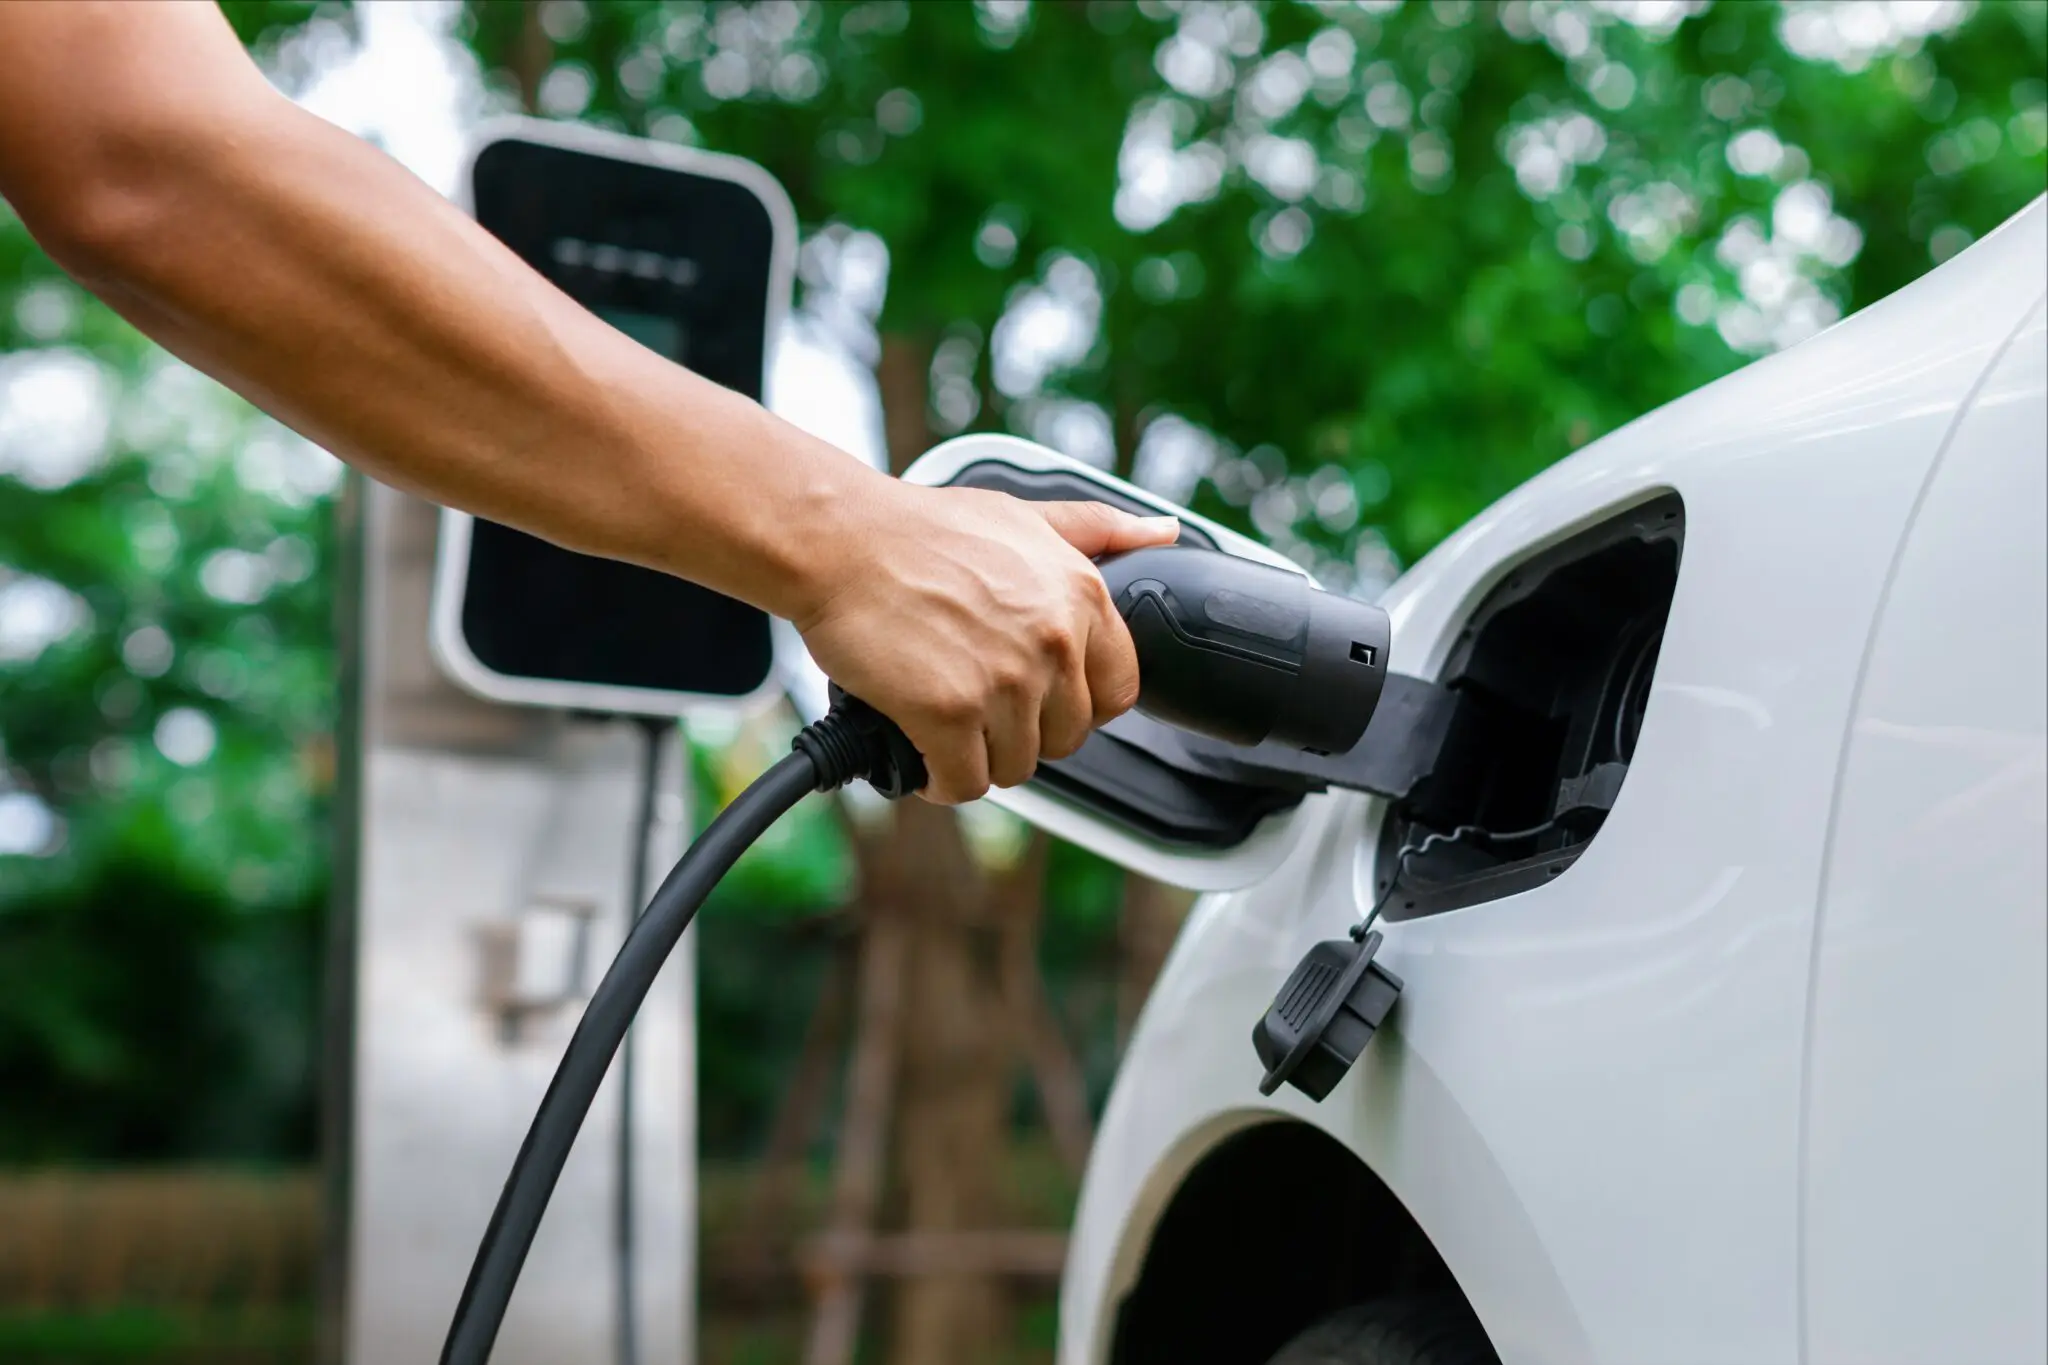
(1343, 272)
(1338, 273)
(1403, 255)
(166, 696)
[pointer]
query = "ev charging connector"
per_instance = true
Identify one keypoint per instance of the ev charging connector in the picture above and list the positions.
(1241, 652)
(1248, 653)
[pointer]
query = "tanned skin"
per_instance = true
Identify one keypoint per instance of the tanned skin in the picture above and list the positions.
(314, 275)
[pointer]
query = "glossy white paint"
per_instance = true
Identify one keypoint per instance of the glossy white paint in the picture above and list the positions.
(1200, 870)
(1927, 1120)
(1591, 1096)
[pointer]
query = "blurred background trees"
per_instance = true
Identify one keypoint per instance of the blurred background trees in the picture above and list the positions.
(1339, 274)
(166, 698)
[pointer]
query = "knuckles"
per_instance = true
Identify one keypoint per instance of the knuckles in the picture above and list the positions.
(1057, 641)
(956, 707)
(1065, 743)
(1015, 680)
(1117, 698)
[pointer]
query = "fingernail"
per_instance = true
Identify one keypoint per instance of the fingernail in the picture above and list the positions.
(1163, 524)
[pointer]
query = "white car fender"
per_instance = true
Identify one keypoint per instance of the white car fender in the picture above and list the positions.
(1520, 1103)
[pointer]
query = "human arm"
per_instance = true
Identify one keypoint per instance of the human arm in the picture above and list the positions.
(317, 277)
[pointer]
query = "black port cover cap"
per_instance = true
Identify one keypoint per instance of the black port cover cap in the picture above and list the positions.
(1324, 1016)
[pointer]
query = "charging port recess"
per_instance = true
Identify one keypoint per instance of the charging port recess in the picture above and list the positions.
(1553, 674)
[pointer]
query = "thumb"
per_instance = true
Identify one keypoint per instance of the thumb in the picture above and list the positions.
(1096, 528)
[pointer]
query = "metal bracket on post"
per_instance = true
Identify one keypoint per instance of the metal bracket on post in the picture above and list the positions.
(535, 962)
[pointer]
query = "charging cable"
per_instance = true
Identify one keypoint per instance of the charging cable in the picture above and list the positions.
(625, 1239)
(853, 742)
(1428, 842)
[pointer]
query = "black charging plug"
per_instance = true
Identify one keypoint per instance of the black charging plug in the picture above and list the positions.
(1246, 652)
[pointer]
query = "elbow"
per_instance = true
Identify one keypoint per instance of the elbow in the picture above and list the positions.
(98, 224)
(118, 203)
(113, 154)
(85, 239)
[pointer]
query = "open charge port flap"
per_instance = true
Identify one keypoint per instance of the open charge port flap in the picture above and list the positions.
(1552, 675)
(1532, 723)
(1139, 791)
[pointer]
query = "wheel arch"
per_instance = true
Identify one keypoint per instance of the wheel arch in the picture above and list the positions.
(1272, 1227)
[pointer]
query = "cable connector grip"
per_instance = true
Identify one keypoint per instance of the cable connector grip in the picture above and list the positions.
(855, 742)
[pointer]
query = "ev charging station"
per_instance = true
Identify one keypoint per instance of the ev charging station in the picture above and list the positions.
(510, 788)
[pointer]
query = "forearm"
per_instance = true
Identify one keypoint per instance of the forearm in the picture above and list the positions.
(415, 346)
(311, 273)
(319, 278)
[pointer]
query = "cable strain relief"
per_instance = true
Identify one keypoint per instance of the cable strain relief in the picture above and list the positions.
(855, 741)
(834, 751)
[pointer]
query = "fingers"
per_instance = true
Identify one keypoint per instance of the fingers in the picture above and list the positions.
(1066, 714)
(956, 765)
(1013, 739)
(1096, 528)
(1111, 663)
(993, 643)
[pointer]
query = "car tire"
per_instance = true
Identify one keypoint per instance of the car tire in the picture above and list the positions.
(1399, 1331)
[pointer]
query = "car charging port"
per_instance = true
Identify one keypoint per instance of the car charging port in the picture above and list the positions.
(1553, 676)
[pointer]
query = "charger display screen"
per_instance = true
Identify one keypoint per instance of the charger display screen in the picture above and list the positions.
(662, 335)
(681, 263)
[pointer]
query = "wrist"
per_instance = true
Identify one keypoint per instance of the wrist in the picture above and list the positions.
(778, 512)
(826, 531)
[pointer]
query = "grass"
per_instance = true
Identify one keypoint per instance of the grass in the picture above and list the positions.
(214, 1268)
(158, 1336)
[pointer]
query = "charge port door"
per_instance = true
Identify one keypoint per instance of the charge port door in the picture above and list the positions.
(1552, 675)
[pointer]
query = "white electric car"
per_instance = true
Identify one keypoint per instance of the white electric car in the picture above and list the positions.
(1752, 1070)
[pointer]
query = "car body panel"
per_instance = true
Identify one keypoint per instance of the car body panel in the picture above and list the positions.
(1590, 1094)
(1929, 1022)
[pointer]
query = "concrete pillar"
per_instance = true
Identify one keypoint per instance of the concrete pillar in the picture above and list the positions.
(474, 838)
